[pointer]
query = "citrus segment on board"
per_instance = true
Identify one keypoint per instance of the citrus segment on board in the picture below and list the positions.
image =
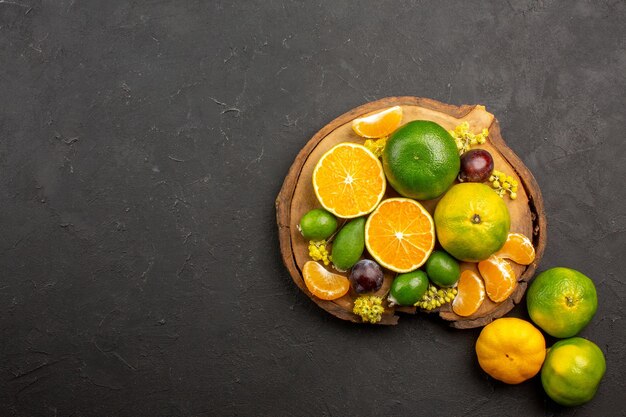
(499, 278)
(378, 124)
(471, 294)
(349, 181)
(517, 248)
(400, 234)
(323, 283)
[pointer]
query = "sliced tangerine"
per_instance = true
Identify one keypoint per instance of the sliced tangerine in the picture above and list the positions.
(499, 278)
(518, 248)
(378, 124)
(400, 234)
(471, 294)
(323, 283)
(349, 180)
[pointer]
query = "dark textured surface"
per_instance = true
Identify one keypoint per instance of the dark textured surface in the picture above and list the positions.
(142, 145)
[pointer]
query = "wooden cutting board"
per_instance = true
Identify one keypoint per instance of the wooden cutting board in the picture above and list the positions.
(296, 197)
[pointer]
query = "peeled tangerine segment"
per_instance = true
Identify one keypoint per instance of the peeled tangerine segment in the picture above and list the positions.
(471, 294)
(500, 280)
(322, 283)
(379, 124)
(518, 248)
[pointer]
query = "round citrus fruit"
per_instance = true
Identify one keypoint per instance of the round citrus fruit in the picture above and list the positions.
(317, 224)
(562, 301)
(421, 160)
(511, 350)
(572, 371)
(472, 221)
(378, 124)
(400, 234)
(471, 294)
(442, 269)
(323, 283)
(349, 180)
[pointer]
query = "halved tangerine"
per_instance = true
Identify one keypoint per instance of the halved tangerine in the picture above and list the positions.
(517, 248)
(378, 124)
(349, 180)
(323, 283)
(500, 280)
(400, 234)
(471, 294)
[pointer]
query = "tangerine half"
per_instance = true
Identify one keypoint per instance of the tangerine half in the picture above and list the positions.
(349, 180)
(400, 234)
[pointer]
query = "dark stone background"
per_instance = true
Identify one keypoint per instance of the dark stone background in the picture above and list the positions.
(142, 145)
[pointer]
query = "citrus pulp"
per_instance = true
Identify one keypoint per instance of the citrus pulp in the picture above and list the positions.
(349, 181)
(378, 124)
(518, 248)
(471, 294)
(323, 283)
(499, 277)
(400, 234)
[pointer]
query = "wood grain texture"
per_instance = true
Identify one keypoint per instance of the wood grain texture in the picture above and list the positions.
(297, 197)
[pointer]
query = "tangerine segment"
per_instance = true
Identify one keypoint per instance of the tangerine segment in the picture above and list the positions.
(322, 283)
(518, 248)
(349, 180)
(471, 294)
(499, 278)
(400, 234)
(378, 124)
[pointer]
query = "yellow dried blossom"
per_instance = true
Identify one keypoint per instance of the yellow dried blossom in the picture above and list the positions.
(464, 138)
(369, 307)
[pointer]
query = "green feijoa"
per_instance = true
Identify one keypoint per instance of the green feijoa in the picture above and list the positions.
(443, 269)
(317, 224)
(349, 244)
(407, 289)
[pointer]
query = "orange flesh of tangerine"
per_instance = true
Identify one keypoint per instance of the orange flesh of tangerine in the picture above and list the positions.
(500, 280)
(400, 234)
(379, 124)
(518, 248)
(323, 283)
(471, 294)
(349, 180)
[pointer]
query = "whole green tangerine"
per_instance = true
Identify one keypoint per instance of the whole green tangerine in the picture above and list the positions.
(421, 160)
